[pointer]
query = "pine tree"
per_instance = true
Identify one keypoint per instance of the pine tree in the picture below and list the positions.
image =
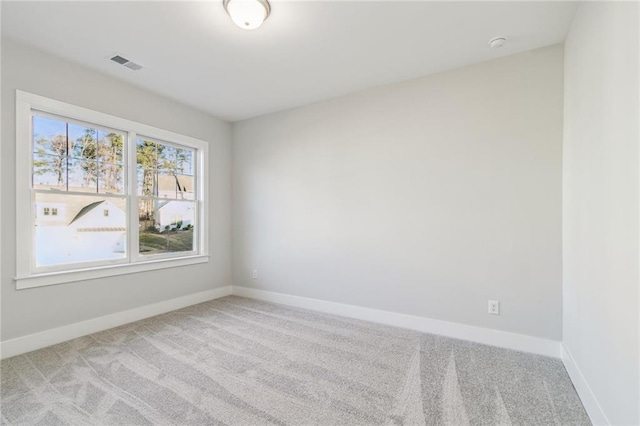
(53, 157)
(86, 149)
(110, 154)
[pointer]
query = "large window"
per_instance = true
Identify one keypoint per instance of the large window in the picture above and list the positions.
(99, 195)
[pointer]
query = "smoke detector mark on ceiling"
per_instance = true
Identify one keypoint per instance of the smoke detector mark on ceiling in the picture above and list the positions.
(125, 62)
(497, 42)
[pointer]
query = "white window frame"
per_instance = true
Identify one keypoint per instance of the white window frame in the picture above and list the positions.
(27, 275)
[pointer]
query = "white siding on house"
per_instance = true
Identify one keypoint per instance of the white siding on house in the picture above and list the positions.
(93, 236)
(175, 211)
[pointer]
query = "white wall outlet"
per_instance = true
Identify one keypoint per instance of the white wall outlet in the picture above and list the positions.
(494, 307)
(254, 274)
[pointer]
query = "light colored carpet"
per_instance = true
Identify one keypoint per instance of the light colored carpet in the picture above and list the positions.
(237, 361)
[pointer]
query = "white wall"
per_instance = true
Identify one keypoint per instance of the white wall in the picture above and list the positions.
(29, 311)
(427, 197)
(600, 211)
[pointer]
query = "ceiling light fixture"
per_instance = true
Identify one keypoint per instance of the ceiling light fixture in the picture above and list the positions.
(247, 14)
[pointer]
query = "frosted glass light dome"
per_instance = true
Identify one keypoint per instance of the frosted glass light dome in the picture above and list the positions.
(247, 14)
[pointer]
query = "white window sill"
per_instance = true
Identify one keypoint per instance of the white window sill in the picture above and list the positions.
(52, 278)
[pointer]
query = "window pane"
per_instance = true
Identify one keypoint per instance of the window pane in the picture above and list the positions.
(49, 136)
(83, 144)
(186, 187)
(166, 159)
(110, 147)
(184, 161)
(166, 226)
(147, 161)
(75, 229)
(83, 176)
(167, 186)
(49, 172)
(110, 178)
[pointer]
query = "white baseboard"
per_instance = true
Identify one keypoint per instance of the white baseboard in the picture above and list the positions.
(519, 342)
(35, 341)
(589, 401)
(487, 336)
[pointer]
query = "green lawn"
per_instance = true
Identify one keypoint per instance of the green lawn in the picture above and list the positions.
(151, 242)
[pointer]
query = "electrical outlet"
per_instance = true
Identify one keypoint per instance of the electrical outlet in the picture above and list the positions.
(254, 274)
(494, 307)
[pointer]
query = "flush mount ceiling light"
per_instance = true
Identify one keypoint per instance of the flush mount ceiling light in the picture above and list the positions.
(247, 14)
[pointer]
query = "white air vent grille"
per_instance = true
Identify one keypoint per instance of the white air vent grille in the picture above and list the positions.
(127, 63)
(133, 66)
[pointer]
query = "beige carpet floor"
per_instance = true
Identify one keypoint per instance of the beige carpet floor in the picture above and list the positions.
(236, 361)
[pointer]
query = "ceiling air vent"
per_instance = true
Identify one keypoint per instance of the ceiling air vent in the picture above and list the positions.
(127, 63)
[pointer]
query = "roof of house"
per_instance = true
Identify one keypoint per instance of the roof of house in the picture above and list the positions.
(86, 209)
(173, 182)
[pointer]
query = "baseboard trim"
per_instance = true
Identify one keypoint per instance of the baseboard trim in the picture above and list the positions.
(487, 336)
(589, 400)
(519, 342)
(46, 338)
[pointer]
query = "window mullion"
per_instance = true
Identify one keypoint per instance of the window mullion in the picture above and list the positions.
(202, 177)
(133, 239)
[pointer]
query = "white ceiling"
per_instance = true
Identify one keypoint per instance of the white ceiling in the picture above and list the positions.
(305, 52)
